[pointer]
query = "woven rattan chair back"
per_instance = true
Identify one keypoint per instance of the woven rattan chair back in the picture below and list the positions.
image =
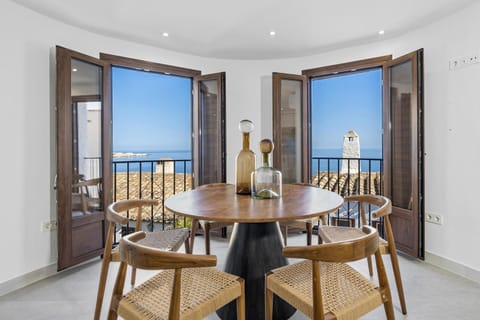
(190, 287)
(387, 246)
(167, 240)
(324, 286)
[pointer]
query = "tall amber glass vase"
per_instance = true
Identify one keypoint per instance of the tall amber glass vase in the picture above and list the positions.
(245, 161)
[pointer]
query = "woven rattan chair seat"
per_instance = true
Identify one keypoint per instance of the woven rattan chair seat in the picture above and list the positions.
(346, 293)
(202, 291)
(331, 234)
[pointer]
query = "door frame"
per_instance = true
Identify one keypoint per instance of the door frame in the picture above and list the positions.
(380, 62)
(418, 170)
(337, 70)
(277, 79)
(147, 66)
(64, 144)
(198, 139)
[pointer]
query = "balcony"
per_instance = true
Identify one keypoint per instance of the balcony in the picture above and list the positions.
(159, 179)
(153, 179)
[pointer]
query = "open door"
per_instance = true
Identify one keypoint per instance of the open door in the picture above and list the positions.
(291, 130)
(82, 118)
(209, 129)
(403, 150)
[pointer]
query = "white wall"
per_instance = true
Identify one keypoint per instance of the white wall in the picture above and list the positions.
(28, 138)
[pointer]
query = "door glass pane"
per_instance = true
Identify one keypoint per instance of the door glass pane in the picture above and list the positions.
(291, 135)
(210, 147)
(86, 88)
(401, 89)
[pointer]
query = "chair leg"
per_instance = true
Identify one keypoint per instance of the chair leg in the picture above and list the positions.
(370, 266)
(134, 276)
(241, 302)
(268, 303)
(207, 238)
(117, 291)
(285, 234)
(101, 287)
(309, 227)
(323, 220)
(388, 306)
(192, 233)
(224, 232)
(398, 281)
(187, 246)
(383, 282)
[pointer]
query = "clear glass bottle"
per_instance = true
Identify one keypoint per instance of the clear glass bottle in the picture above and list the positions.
(245, 161)
(266, 181)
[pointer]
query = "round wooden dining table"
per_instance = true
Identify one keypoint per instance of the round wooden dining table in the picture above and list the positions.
(256, 244)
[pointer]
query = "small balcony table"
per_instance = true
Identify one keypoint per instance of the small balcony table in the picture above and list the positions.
(256, 244)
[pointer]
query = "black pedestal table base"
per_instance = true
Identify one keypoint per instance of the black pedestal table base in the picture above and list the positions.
(256, 248)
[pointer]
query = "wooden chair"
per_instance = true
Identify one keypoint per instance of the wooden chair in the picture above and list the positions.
(206, 225)
(189, 288)
(387, 246)
(303, 224)
(167, 240)
(324, 286)
(83, 198)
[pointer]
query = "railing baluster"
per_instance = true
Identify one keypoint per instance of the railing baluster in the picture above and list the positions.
(152, 216)
(140, 181)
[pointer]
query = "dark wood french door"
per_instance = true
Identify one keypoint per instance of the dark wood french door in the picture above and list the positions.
(402, 136)
(84, 143)
(291, 127)
(83, 123)
(403, 150)
(209, 128)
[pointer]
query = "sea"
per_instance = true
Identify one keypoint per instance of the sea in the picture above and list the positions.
(144, 160)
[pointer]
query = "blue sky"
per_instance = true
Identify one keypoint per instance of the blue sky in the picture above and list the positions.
(151, 111)
(347, 102)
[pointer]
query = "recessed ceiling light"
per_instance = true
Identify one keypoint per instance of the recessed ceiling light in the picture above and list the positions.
(165, 34)
(74, 69)
(381, 32)
(272, 33)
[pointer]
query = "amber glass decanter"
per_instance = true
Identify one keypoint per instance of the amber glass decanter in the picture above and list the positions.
(245, 161)
(266, 181)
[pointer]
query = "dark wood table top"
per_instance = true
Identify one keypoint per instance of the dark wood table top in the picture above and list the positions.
(220, 203)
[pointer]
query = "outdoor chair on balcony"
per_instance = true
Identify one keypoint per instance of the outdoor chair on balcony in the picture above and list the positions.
(190, 287)
(324, 286)
(303, 224)
(331, 234)
(167, 240)
(207, 226)
(87, 195)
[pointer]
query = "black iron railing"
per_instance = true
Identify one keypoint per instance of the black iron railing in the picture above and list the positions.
(152, 179)
(348, 176)
(159, 179)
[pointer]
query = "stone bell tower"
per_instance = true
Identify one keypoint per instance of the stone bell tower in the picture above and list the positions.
(351, 149)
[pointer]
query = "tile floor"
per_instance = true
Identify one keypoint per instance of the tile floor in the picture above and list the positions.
(431, 293)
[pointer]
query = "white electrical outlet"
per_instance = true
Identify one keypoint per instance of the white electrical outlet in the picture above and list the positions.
(53, 225)
(434, 218)
(47, 226)
(464, 61)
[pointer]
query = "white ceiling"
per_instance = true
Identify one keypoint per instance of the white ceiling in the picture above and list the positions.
(240, 29)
